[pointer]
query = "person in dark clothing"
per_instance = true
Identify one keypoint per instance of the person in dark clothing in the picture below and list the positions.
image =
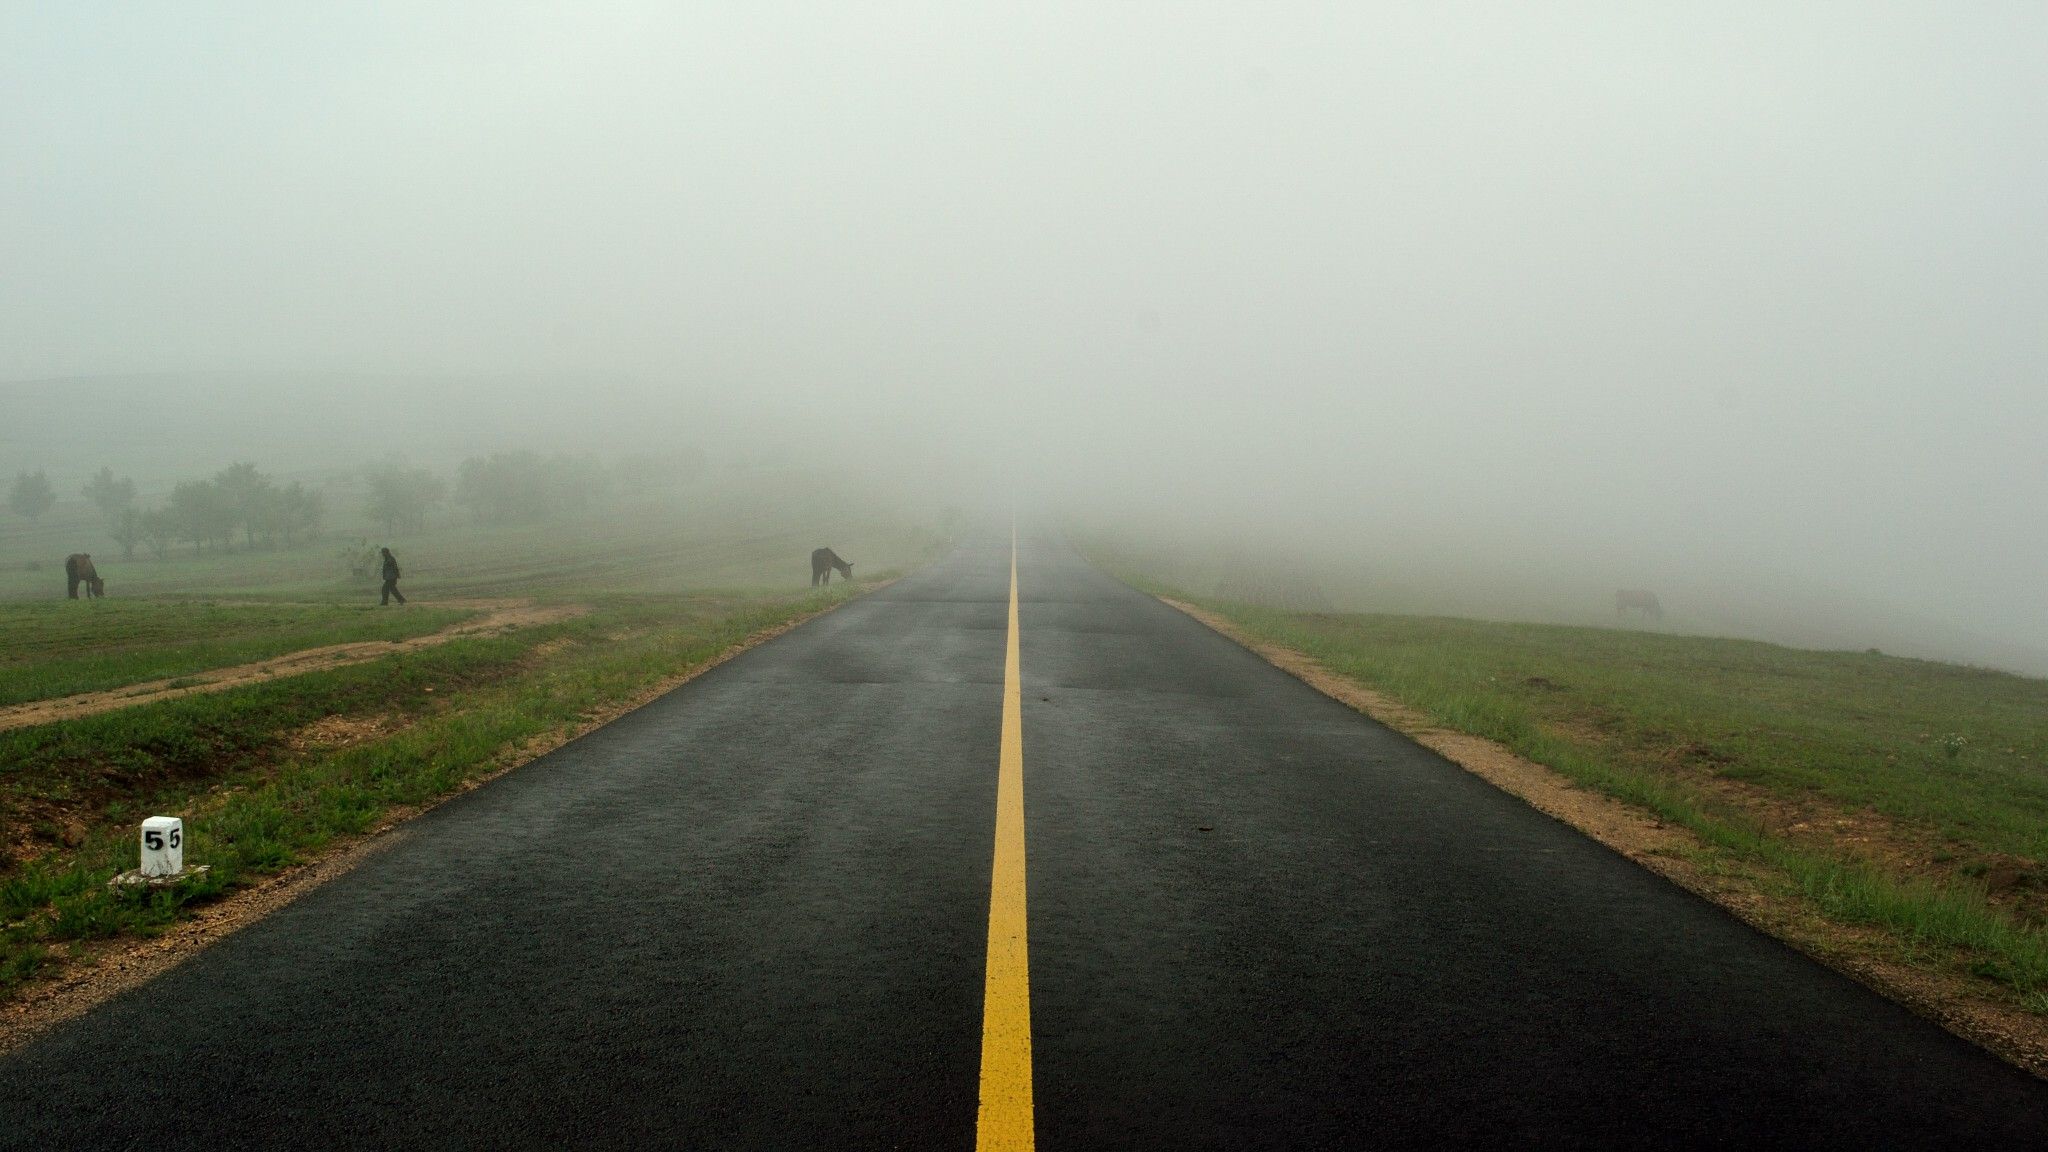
(390, 578)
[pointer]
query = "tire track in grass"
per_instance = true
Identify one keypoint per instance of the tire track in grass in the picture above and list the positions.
(499, 616)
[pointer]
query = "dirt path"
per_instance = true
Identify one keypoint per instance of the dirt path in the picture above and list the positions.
(498, 616)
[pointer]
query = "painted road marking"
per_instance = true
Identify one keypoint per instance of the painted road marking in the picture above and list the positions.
(1005, 1118)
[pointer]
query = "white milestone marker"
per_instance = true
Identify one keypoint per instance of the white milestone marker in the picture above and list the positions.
(163, 846)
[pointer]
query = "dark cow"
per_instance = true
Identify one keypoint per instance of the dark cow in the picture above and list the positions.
(78, 570)
(823, 561)
(1636, 600)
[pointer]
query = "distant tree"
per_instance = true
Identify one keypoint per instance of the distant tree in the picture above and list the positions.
(109, 495)
(524, 485)
(249, 496)
(296, 513)
(202, 514)
(31, 494)
(125, 526)
(159, 530)
(400, 497)
(576, 484)
(499, 487)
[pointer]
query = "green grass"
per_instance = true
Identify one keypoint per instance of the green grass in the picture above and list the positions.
(61, 647)
(1728, 738)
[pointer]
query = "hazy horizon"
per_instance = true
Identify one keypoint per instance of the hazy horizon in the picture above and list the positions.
(1500, 304)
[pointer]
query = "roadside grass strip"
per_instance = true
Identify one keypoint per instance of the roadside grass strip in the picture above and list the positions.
(1945, 914)
(253, 805)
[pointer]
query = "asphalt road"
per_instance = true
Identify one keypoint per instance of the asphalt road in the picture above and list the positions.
(754, 915)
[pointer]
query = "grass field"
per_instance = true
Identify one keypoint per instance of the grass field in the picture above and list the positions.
(56, 648)
(1905, 796)
(273, 773)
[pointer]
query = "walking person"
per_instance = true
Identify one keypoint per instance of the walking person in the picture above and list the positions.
(390, 578)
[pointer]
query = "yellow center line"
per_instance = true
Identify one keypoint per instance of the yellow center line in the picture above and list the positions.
(1005, 1117)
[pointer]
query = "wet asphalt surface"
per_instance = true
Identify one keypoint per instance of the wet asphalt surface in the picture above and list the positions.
(753, 915)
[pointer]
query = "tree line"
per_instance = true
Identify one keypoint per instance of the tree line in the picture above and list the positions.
(240, 504)
(209, 514)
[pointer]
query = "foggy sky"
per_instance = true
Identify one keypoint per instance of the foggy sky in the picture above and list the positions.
(1660, 293)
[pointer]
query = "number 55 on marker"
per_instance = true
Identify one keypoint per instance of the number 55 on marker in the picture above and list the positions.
(163, 846)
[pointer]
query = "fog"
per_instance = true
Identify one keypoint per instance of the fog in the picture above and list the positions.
(1488, 309)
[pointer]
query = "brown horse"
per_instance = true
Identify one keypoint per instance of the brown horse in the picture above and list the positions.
(823, 561)
(78, 570)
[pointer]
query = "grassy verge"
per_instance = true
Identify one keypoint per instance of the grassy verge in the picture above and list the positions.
(1902, 796)
(61, 647)
(269, 775)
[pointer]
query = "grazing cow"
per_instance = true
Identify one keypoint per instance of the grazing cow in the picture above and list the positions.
(78, 570)
(1636, 600)
(823, 561)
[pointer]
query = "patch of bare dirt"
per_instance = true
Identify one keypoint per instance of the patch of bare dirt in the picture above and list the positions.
(95, 973)
(1865, 955)
(548, 648)
(331, 732)
(499, 616)
(37, 827)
